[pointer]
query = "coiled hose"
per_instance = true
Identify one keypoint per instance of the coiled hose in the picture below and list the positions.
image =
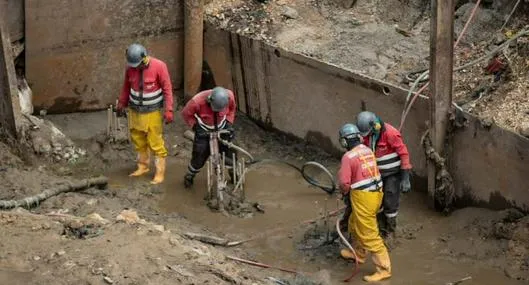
(254, 162)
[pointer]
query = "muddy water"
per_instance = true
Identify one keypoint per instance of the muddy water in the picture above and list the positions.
(288, 200)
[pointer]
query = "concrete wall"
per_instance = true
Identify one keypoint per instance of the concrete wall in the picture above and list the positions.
(15, 19)
(75, 48)
(311, 100)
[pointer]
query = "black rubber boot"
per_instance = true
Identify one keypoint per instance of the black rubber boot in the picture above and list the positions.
(188, 180)
(382, 224)
(391, 225)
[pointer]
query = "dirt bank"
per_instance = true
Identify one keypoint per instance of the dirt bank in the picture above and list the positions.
(76, 246)
(389, 39)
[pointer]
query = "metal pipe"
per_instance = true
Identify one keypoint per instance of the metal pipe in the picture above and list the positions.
(193, 46)
(234, 167)
(208, 167)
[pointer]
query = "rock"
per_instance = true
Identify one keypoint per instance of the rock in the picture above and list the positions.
(524, 130)
(61, 252)
(96, 217)
(290, 12)
(108, 280)
(129, 217)
(159, 228)
(36, 258)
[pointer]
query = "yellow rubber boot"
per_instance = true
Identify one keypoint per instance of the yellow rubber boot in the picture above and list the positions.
(143, 164)
(360, 254)
(383, 265)
(160, 171)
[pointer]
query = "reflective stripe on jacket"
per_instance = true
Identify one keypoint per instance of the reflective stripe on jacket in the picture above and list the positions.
(151, 92)
(197, 110)
(359, 171)
(390, 151)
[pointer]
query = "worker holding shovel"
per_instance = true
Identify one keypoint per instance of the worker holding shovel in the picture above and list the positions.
(147, 90)
(360, 179)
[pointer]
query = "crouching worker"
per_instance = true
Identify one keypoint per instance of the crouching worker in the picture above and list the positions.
(359, 178)
(209, 110)
(147, 90)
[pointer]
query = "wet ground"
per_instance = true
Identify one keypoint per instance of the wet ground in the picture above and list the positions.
(431, 249)
(288, 200)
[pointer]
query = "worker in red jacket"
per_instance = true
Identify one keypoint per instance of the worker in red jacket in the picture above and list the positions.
(147, 90)
(393, 161)
(207, 111)
(359, 178)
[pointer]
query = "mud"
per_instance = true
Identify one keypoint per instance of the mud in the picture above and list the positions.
(75, 246)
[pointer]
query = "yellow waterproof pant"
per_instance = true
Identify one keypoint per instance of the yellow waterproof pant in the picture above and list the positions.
(363, 220)
(146, 132)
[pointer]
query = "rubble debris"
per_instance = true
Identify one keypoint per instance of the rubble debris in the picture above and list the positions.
(290, 13)
(130, 217)
(108, 280)
(524, 130)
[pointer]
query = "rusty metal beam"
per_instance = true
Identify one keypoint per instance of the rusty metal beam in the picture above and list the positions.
(8, 86)
(441, 66)
(193, 46)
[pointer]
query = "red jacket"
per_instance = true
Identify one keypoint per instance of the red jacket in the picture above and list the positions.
(157, 88)
(359, 171)
(390, 151)
(198, 110)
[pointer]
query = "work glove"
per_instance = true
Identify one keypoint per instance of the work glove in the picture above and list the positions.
(405, 185)
(120, 110)
(168, 117)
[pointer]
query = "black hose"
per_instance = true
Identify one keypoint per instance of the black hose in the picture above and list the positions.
(310, 180)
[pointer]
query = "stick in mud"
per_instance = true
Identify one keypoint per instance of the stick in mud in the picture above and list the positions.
(209, 239)
(70, 187)
(260, 264)
(109, 120)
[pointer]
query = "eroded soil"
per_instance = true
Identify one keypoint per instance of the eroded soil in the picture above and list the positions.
(389, 39)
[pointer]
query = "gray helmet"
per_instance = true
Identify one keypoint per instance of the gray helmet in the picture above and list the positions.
(366, 122)
(348, 133)
(135, 54)
(219, 99)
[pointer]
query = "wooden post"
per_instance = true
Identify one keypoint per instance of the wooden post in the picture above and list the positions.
(8, 86)
(193, 46)
(441, 66)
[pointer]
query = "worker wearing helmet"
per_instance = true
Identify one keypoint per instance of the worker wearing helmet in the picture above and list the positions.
(207, 111)
(147, 90)
(359, 178)
(393, 161)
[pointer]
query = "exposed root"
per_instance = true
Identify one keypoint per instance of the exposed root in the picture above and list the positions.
(444, 184)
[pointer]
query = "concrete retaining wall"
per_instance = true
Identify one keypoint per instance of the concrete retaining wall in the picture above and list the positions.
(15, 19)
(311, 100)
(75, 49)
